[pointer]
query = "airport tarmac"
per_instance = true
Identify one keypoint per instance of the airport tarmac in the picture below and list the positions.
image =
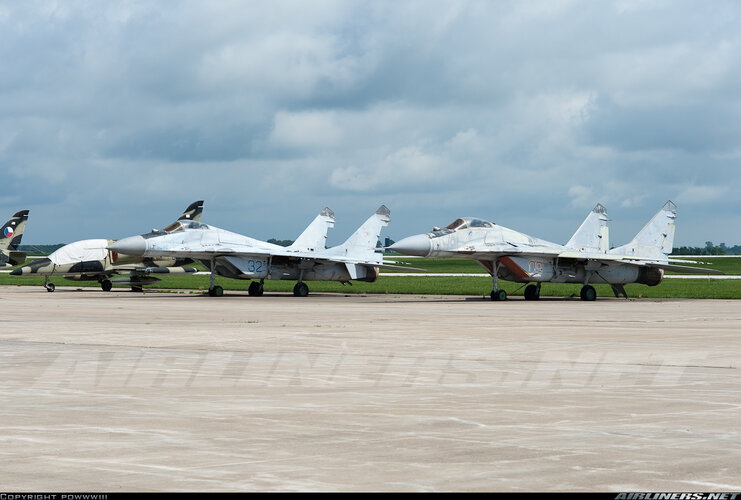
(125, 391)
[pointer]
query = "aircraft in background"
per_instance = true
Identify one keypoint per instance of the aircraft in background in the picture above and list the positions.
(10, 237)
(90, 260)
(586, 258)
(236, 256)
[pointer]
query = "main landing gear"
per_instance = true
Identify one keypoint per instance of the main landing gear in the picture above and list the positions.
(301, 289)
(106, 285)
(532, 292)
(588, 293)
(256, 288)
(49, 286)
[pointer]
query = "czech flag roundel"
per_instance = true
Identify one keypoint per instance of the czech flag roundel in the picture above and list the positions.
(8, 232)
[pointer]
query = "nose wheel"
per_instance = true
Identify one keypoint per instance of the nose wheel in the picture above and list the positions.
(215, 291)
(49, 286)
(301, 290)
(588, 293)
(499, 295)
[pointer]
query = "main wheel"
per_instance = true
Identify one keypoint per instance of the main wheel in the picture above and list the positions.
(50, 287)
(531, 292)
(216, 291)
(498, 295)
(255, 289)
(137, 289)
(301, 290)
(588, 293)
(106, 285)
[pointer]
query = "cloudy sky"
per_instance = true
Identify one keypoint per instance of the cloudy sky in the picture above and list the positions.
(116, 115)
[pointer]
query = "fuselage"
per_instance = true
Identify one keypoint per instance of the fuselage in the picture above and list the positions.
(237, 256)
(87, 260)
(518, 257)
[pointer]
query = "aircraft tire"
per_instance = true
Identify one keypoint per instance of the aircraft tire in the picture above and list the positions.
(50, 287)
(301, 290)
(531, 292)
(137, 289)
(499, 295)
(255, 289)
(106, 285)
(216, 291)
(588, 293)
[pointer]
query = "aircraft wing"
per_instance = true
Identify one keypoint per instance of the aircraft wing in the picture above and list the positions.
(635, 261)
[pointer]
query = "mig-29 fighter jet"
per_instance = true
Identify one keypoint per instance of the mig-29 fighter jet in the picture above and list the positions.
(586, 258)
(236, 256)
(89, 260)
(10, 237)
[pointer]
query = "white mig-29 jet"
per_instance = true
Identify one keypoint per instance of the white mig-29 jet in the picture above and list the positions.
(587, 257)
(236, 256)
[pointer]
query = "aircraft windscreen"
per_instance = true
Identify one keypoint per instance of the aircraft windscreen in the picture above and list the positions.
(464, 223)
(195, 225)
(174, 227)
(456, 225)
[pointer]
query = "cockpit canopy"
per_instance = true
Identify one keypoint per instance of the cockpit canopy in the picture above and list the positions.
(462, 223)
(181, 225)
(467, 222)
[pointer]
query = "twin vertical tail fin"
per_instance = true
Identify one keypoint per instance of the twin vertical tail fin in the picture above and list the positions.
(656, 238)
(314, 236)
(193, 212)
(362, 243)
(593, 234)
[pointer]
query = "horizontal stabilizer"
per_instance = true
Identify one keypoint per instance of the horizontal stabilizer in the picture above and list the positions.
(684, 269)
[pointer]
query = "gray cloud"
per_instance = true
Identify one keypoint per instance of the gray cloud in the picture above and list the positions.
(526, 113)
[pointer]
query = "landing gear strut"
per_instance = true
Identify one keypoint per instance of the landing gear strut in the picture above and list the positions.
(214, 290)
(496, 294)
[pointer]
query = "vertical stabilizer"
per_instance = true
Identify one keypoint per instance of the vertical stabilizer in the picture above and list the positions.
(12, 231)
(593, 234)
(363, 242)
(314, 236)
(656, 238)
(193, 212)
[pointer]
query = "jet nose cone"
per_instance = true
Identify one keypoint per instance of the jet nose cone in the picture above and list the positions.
(17, 271)
(419, 245)
(133, 245)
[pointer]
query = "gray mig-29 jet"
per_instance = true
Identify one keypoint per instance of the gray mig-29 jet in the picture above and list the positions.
(236, 256)
(90, 260)
(10, 237)
(586, 258)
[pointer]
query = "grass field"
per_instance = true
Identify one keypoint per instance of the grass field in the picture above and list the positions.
(437, 285)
